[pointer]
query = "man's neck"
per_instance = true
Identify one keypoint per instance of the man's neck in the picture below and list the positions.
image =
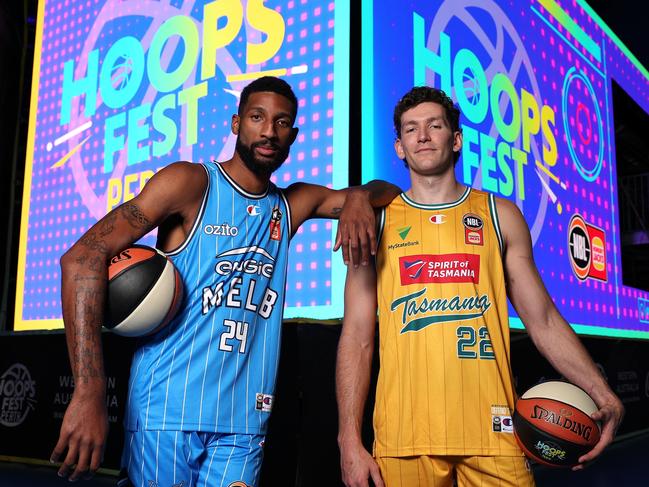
(244, 177)
(435, 190)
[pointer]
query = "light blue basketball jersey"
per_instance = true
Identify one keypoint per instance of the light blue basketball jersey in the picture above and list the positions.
(213, 368)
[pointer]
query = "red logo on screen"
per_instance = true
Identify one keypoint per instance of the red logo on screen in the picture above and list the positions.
(587, 249)
(444, 268)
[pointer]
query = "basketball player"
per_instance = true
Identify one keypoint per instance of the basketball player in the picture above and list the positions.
(448, 257)
(201, 390)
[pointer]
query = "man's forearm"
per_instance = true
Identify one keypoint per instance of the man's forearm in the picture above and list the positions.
(353, 366)
(84, 281)
(565, 352)
(380, 193)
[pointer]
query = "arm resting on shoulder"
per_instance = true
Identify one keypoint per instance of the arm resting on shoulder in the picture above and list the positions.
(354, 207)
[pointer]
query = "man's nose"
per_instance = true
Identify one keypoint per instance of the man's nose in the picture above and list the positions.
(269, 130)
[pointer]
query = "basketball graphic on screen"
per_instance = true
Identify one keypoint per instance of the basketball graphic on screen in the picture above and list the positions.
(144, 292)
(552, 423)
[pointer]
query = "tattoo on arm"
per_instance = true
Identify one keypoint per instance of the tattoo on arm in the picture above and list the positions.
(88, 312)
(91, 241)
(134, 216)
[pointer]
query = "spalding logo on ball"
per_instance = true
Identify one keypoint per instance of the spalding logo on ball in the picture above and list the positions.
(552, 423)
(144, 292)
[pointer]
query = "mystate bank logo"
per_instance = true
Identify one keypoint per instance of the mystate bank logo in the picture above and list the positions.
(419, 312)
(17, 395)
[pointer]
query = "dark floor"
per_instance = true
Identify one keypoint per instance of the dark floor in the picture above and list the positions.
(624, 464)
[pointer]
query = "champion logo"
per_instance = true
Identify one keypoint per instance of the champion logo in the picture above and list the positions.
(253, 210)
(438, 219)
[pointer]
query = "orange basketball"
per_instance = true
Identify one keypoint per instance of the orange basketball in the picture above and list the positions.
(552, 423)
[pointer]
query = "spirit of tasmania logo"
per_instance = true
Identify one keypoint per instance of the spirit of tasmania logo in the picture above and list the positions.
(446, 268)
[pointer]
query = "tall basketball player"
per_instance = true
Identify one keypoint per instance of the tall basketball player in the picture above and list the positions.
(448, 257)
(201, 390)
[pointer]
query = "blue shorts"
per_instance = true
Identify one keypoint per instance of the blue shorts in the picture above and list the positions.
(192, 459)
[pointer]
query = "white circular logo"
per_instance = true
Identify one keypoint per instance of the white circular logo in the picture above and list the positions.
(17, 395)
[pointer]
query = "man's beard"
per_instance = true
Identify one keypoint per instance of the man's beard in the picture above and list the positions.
(257, 166)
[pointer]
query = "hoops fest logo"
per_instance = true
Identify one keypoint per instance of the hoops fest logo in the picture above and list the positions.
(17, 395)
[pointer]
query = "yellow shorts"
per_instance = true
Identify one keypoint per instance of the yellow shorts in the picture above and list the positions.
(441, 471)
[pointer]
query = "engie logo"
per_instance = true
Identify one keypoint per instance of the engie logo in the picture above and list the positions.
(17, 395)
(587, 249)
(446, 268)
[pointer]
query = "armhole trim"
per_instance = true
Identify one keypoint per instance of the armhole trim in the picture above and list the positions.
(199, 217)
(288, 213)
(381, 225)
(494, 218)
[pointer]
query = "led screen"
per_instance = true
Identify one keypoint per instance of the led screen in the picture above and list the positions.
(123, 88)
(533, 81)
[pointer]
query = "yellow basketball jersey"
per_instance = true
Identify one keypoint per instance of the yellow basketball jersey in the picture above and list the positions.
(445, 385)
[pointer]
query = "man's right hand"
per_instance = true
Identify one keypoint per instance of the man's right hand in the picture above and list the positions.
(83, 434)
(358, 466)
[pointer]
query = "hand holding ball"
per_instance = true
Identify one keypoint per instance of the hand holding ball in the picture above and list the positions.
(552, 423)
(144, 292)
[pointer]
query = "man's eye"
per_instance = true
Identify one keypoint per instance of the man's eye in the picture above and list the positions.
(282, 123)
(255, 117)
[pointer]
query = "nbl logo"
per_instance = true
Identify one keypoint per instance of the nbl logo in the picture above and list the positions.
(587, 249)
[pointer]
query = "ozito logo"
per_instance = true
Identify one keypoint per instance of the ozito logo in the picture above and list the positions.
(223, 230)
(587, 249)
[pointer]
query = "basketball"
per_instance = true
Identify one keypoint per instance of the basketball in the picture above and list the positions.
(552, 423)
(144, 292)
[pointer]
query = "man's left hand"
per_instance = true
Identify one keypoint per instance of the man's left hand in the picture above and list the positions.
(357, 229)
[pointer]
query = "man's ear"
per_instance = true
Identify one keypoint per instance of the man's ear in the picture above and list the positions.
(457, 141)
(398, 148)
(236, 120)
(294, 132)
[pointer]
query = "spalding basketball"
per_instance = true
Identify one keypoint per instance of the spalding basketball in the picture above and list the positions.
(552, 423)
(144, 292)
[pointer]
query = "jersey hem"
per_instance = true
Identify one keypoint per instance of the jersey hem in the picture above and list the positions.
(438, 451)
(240, 430)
